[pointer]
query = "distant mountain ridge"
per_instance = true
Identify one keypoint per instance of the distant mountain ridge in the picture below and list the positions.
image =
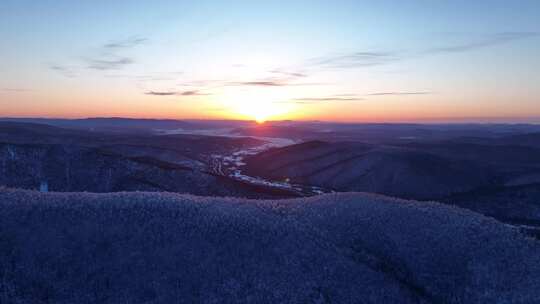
(128, 125)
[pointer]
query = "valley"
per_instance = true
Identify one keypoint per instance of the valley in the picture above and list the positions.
(495, 172)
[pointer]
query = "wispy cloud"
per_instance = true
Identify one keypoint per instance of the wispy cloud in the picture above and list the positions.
(271, 83)
(482, 42)
(257, 83)
(364, 58)
(193, 93)
(355, 59)
(349, 97)
(156, 93)
(177, 93)
(332, 98)
(398, 93)
(113, 57)
(63, 70)
(112, 63)
(288, 74)
(319, 100)
(125, 43)
(109, 56)
(270, 78)
(281, 81)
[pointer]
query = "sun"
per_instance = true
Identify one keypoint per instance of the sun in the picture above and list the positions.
(260, 119)
(260, 110)
(257, 104)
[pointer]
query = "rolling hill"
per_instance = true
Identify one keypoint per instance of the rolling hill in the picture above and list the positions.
(390, 170)
(338, 248)
(74, 160)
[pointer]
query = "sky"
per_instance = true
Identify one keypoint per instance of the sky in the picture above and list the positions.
(353, 61)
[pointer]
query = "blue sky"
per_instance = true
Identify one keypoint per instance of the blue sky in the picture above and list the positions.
(330, 60)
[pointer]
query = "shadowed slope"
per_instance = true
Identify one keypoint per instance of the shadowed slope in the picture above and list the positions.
(72, 168)
(388, 170)
(342, 248)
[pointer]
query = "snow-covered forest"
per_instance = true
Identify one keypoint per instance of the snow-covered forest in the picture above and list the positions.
(336, 248)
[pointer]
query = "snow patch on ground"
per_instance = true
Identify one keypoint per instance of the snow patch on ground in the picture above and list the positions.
(231, 165)
(206, 132)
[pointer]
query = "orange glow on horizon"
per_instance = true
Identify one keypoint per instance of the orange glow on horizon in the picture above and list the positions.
(263, 104)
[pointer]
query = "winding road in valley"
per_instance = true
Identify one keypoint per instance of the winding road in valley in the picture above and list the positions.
(231, 165)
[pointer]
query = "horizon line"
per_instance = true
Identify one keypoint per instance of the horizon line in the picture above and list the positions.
(422, 121)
